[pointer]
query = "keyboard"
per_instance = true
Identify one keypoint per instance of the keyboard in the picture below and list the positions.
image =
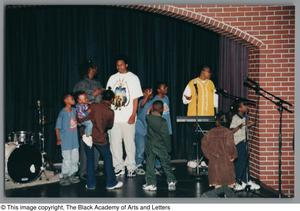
(201, 119)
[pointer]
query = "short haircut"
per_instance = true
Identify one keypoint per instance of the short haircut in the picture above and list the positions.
(66, 95)
(122, 58)
(205, 67)
(144, 88)
(90, 65)
(157, 105)
(160, 83)
(237, 104)
(108, 95)
(78, 94)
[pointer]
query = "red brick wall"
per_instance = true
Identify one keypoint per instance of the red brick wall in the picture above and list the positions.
(269, 32)
(273, 65)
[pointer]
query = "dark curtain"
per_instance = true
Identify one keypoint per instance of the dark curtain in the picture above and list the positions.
(233, 69)
(46, 45)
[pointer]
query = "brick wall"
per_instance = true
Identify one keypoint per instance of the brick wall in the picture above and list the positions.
(273, 65)
(269, 33)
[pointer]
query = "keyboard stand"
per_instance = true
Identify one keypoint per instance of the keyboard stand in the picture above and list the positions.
(200, 171)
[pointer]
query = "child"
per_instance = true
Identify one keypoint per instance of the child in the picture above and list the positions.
(141, 129)
(67, 137)
(82, 111)
(162, 91)
(240, 124)
(218, 147)
(158, 145)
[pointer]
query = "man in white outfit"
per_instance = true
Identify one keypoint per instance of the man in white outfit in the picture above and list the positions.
(127, 89)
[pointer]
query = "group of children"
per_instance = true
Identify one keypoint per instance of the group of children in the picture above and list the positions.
(225, 148)
(152, 137)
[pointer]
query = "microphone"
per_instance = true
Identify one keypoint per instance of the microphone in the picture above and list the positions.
(196, 88)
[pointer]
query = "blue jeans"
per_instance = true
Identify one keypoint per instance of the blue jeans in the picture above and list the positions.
(88, 127)
(241, 163)
(108, 166)
(140, 142)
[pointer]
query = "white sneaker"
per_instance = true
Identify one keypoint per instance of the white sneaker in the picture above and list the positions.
(88, 140)
(203, 164)
(149, 187)
(119, 172)
(117, 186)
(172, 186)
(253, 186)
(131, 173)
(192, 164)
(239, 187)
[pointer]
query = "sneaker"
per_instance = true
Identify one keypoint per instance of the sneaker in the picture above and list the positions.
(131, 173)
(90, 188)
(192, 164)
(171, 186)
(117, 186)
(64, 181)
(88, 140)
(140, 171)
(203, 164)
(253, 186)
(119, 172)
(149, 187)
(74, 179)
(239, 187)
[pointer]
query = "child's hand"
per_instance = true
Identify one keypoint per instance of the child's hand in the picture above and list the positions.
(58, 142)
(250, 124)
(131, 119)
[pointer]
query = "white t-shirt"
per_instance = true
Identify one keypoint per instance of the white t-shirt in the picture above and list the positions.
(126, 87)
(239, 135)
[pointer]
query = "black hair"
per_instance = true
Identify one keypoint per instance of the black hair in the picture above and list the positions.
(77, 94)
(66, 95)
(204, 67)
(236, 105)
(90, 65)
(122, 58)
(145, 87)
(108, 94)
(158, 104)
(159, 84)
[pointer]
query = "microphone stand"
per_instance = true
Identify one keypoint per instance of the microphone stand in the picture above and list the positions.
(280, 108)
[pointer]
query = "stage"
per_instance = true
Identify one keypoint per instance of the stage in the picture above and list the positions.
(187, 186)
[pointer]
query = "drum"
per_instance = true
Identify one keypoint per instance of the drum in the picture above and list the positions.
(23, 137)
(24, 162)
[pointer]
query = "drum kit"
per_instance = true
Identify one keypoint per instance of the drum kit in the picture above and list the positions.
(25, 156)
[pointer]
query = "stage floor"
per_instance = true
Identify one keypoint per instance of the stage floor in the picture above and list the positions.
(187, 186)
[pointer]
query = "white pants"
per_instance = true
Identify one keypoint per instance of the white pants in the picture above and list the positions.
(69, 162)
(122, 131)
